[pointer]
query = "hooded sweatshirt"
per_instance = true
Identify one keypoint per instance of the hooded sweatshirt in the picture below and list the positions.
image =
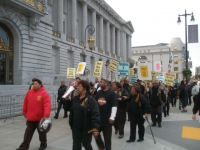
(37, 104)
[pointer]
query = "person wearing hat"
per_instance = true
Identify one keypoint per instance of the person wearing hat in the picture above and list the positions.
(37, 105)
(120, 119)
(107, 100)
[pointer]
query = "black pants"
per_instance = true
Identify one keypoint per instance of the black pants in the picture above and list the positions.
(60, 104)
(81, 137)
(173, 101)
(120, 120)
(166, 109)
(30, 129)
(107, 134)
(136, 120)
(189, 100)
(154, 111)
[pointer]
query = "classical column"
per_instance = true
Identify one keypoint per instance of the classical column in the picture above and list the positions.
(113, 40)
(125, 46)
(101, 33)
(60, 16)
(108, 36)
(94, 24)
(74, 23)
(122, 44)
(85, 20)
(130, 47)
(118, 43)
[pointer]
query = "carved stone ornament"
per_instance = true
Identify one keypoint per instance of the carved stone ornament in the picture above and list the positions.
(33, 22)
(9, 13)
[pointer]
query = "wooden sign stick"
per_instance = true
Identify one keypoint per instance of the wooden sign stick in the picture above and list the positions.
(108, 75)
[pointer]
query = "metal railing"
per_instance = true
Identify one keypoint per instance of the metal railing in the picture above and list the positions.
(11, 105)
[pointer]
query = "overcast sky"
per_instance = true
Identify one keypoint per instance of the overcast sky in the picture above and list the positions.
(155, 21)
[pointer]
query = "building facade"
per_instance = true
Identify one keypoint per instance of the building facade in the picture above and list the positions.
(197, 71)
(42, 38)
(162, 52)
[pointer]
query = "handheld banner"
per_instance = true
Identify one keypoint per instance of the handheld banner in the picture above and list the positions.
(98, 68)
(81, 68)
(71, 73)
(113, 65)
(123, 69)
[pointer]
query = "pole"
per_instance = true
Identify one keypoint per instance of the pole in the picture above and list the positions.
(186, 55)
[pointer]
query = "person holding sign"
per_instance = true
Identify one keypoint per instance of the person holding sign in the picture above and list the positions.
(120, 119)
(84, 117)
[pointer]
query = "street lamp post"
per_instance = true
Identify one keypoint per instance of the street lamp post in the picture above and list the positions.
(179, 21)
(91, 41)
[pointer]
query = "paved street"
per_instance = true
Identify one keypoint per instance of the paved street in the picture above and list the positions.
(169, 137)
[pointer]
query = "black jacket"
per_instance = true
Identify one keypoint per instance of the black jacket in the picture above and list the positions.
(196, 103)
(91, 121)
(139, 107)
(123, 103)
(183, 92)
(155, 97)
(61, 91)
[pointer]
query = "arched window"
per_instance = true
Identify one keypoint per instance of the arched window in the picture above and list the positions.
(142, 59)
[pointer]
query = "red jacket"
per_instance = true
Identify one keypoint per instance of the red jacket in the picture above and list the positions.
(37, 104)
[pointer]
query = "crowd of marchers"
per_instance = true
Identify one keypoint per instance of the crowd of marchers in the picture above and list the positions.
(95, 107)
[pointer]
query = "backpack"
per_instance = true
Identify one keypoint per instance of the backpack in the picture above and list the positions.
(195, 90)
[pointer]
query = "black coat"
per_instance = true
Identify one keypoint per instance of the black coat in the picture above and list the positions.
(91, 119)
(61, 91)
(140, 107)
(155, 97)
(123, 103)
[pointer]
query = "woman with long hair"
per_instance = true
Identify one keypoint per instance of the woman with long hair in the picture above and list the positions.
(120, 118)
(84, 117)
(139, 107)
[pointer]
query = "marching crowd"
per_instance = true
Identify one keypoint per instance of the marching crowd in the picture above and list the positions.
(94, 108)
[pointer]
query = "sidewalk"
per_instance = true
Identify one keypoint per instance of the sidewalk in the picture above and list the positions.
(60, 138)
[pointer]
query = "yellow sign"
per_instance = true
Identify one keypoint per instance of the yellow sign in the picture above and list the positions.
(81, 68)
(98, 68)
(71, 73)
(144, 71)
(169, 79)
(113, 65)
(131, 72)
(154, 74)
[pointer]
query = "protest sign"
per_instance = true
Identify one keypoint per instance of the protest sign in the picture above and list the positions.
(71, 73)
(98, 68)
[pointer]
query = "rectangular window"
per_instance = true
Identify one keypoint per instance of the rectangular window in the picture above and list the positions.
(175, 68)
(70, 59)
(136, 63)
(92, 65)
(64, 27)
(54, 60)
(175, 61)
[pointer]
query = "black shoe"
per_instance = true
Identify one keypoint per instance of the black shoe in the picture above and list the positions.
(153, 125)
(128, 119)
(116, 132)
(65, 116)
(179, 108)
(55, 117)
(42, 148)
(121, 136)
(159, 125)
(129, 141)
(167, 114)
(140, 140)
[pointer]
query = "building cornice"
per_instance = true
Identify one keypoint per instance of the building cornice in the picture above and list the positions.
(102, 8)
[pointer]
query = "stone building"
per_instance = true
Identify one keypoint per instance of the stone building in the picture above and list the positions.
(161, 52)
(42, 38)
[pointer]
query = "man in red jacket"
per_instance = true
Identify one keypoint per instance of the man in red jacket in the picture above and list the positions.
(37, 104)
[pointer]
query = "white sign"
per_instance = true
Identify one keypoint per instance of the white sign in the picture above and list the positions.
(144, 71)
